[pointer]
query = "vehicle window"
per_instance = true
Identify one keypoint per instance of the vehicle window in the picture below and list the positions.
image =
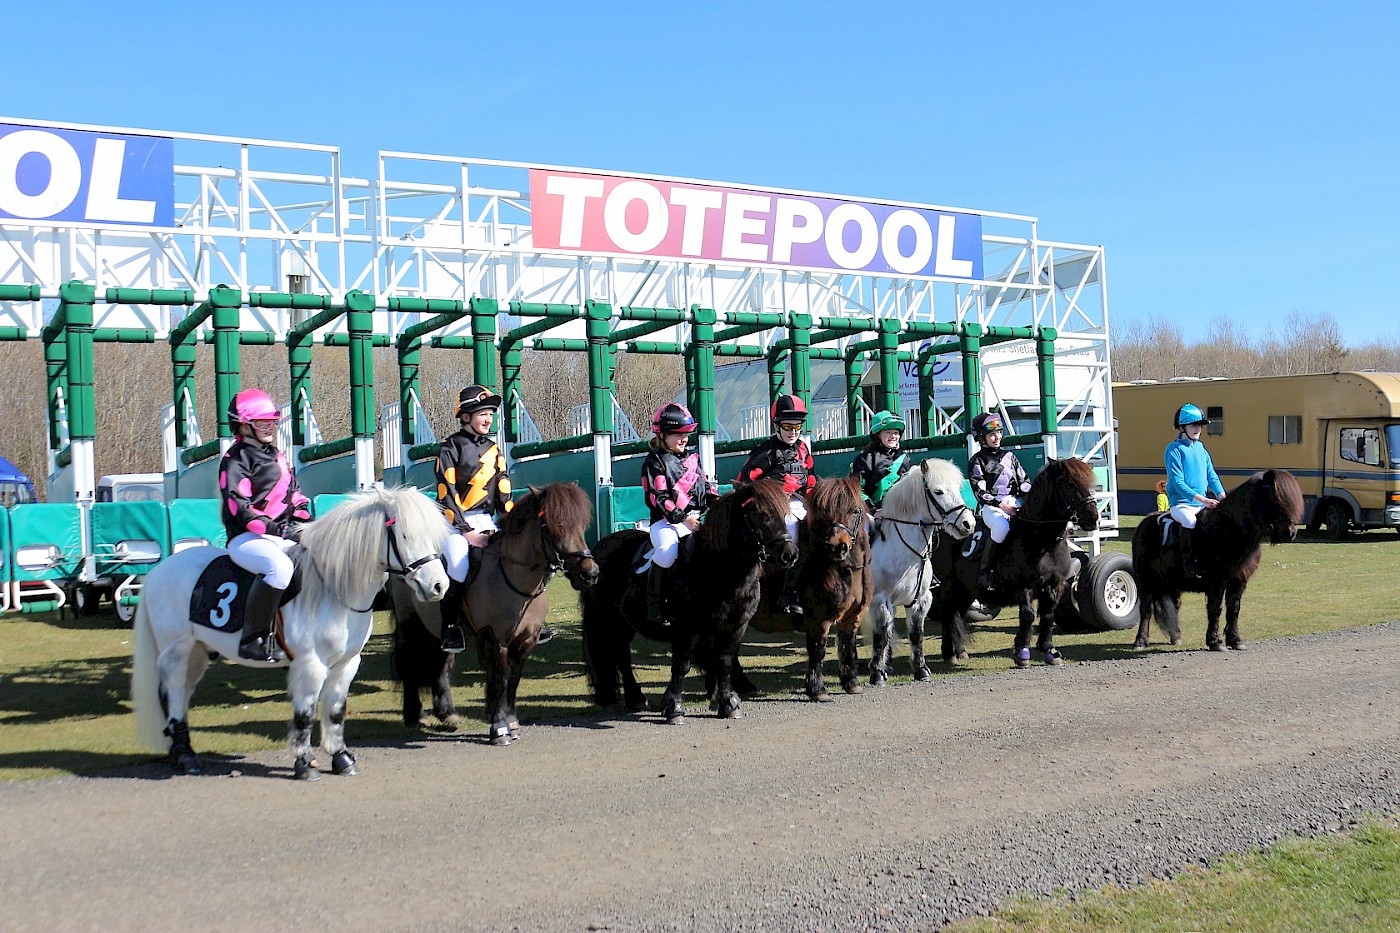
(1361, 445)
(1285, 429)
(1216, 414)
(1392, 445)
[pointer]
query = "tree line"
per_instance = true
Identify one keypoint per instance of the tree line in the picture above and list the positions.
(132, 382)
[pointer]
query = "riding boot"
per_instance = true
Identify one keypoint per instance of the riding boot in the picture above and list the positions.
(656, 597)
(1188, 556)
(787, 599)
(453, 638)
(256, 643)
(985, 579)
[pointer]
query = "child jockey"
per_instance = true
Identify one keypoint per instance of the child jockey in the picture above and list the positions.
(785, 457)
(881, 464)
(677, 494)
(262, 505)
(473, 489)
(998, 479)
(1192, 483)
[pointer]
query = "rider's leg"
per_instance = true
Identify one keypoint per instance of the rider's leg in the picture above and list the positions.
(788, 599)
(665, 542)
(1186, 516)
(456, 555)
(264, 556)
(998, 527)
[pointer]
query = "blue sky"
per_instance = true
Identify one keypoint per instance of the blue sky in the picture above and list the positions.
(1235, 159)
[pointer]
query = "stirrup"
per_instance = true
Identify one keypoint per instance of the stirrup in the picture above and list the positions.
(264, 649)
(790, 605)
(546, 634)
(453, 639)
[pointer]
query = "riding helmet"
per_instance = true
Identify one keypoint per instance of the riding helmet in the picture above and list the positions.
(986, 423)
(789, 408)
(1189, 414)
(474, 398)
(886, 421)
(672, 418)
(252, 405)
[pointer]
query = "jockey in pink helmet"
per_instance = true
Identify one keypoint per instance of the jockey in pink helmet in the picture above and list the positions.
(677, 494)
(262, 505)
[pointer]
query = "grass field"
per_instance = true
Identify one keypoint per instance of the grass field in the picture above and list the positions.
(63, 681)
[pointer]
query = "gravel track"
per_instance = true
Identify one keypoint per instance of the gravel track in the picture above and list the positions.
(901, 809)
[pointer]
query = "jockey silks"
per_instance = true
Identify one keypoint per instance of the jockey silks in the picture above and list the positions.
(878, 469)
(1190, 472)
(675, 486)
(995, 474)
(259, 491)
(471, 475)
(789, 464)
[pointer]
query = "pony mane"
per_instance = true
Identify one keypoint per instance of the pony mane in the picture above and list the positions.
(1265, 497)
(835, 499)
(769, 494)
(1077, 471)
(563, 506)
(346, 544)
(906, 496)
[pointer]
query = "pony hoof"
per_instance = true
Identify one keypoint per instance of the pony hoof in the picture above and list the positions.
(188, 764)
(853, 688)
(453, 722)
(638, 705)
(923, 675)
(675, 719)
(878, 678)
(1216, 647)
(515, 732)
(1139, 646)
(342, 762)
(822, 697)
(1023, 658)
(1175, 641)
(960, 657)
(1237, 646)
(305, 770)
(1053, 659)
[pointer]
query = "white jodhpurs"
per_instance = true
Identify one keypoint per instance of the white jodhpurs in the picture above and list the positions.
(1185, 513)
(455, 555)
(998, 522)
(264, 555)
(797, 511)
(666, 542)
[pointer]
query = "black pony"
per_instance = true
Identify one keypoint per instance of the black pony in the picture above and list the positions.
(1034, 563)
(1226, 544)
(715, 589)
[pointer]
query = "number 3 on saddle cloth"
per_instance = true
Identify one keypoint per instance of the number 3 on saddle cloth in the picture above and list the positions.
(218, 598)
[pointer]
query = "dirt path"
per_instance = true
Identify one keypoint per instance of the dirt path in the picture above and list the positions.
(892, 810)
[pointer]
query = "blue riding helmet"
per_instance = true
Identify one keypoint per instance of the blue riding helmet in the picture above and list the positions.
(1189, 414)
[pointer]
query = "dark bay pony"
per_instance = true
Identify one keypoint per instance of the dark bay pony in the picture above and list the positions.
(1227, 544)
(834, 588)
(505, 602)
(715, 590)
(1034, 563)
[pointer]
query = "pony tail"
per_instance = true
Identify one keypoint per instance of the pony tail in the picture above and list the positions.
(145, 686)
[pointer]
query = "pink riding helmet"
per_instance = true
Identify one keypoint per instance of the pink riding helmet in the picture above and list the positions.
(672, 418)
(253, 405)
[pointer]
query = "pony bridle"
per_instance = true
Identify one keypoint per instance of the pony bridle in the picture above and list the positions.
(394, 562)
(773, 543)
(560, 560)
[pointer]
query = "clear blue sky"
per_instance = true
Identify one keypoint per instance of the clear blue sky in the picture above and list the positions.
(1234, 158)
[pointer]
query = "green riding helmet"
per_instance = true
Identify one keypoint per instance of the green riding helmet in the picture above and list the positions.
(885, 421)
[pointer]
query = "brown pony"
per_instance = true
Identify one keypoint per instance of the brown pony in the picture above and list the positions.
(1266, 506)
(834, 588)
(505, 603)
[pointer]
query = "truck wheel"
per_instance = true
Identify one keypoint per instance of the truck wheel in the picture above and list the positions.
(85, 599)
(126, 614)
(1336, 518)
(1108, 593)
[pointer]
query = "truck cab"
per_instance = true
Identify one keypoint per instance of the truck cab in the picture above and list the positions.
(1361, 476)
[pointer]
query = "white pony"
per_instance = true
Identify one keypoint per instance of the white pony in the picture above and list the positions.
(919, 506)
(343, 559)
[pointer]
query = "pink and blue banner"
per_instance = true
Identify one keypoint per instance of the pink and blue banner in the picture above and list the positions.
(580, 212)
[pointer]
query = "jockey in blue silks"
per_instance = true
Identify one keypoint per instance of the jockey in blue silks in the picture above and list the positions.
(1192, 483)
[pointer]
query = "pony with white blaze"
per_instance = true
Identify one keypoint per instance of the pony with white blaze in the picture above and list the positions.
(921, 505)
(343, 560)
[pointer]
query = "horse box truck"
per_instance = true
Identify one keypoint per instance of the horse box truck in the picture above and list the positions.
(1338, 433)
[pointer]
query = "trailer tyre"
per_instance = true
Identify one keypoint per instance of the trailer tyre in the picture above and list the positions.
(1336, 518)
(126, 614)
(1108, 593)
(85, 599)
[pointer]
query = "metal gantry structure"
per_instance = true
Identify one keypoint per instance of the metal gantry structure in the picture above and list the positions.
(274, 242)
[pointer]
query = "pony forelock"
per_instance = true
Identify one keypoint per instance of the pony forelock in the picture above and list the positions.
(906, 497)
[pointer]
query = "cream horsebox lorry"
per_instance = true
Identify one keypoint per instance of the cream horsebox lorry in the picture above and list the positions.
(1338, 433)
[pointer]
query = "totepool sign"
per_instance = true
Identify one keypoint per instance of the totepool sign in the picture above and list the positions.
(588, 213)
(86, 177)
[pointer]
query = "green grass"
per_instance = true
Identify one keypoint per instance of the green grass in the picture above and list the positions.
(63, 681)
(1339, 884)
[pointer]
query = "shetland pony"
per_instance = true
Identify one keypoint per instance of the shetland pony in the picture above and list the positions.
(342, 559)
(1227, 544)
(1034, 563)
(715, 590)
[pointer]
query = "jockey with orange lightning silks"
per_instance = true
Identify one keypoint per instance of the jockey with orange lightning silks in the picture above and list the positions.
(262, 506)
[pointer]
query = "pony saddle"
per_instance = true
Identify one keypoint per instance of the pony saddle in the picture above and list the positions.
(218, 598)
(1171, 531)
